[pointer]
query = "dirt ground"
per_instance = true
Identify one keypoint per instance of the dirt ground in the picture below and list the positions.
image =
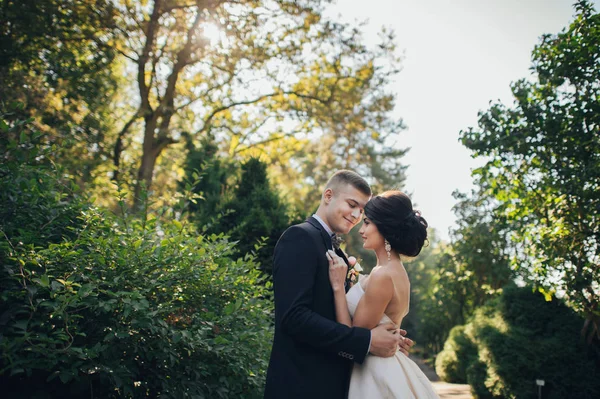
(444, 389)
(452, 391)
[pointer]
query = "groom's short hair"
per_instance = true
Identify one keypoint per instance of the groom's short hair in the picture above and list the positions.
(349, 177)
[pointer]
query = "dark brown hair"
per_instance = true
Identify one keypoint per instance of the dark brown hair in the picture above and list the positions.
(351, 178)
(397, 221)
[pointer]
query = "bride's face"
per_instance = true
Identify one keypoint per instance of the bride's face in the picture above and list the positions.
(372, 238)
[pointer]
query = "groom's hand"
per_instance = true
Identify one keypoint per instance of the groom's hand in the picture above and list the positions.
(385, 340)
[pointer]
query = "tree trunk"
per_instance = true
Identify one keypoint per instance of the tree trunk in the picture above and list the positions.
(152, 148)
(149, 155)
(144, 180)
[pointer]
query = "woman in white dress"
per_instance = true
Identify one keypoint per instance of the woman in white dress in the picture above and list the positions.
(390, 228)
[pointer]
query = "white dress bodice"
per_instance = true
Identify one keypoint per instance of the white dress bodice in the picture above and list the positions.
(395, 377)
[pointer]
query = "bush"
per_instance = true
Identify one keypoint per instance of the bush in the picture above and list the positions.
(459, 352)
(110, 306)
(521, 337)
(38, 207)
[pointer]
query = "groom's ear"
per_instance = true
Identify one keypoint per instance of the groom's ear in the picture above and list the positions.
(328, 195)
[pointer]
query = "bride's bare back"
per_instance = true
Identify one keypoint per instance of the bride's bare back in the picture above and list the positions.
(399, 290)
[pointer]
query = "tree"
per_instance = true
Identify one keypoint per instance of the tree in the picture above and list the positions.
(254, 214)
(256, 73)
(211, 178)
(56, 59)
(450, 281)
(544, 166)
(480, 249)
(426, 321)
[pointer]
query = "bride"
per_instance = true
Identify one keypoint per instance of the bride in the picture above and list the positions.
(390, 228)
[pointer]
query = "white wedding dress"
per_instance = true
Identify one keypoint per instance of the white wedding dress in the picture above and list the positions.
(395, 377)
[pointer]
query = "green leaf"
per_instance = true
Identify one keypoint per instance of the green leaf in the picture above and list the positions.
(44, 280)
(238, 304)
(21, 324)
(220, 340)
(56, 286)
(17, 370)
(176, 337)
(65, 376)
(85, 290)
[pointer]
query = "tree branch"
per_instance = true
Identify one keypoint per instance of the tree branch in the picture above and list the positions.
(269, 140)
(235, 104)
(150, 38)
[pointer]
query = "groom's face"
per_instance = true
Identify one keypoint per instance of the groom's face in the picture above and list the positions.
(345, 206)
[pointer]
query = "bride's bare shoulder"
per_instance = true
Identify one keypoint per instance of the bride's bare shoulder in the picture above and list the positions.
(379, 279)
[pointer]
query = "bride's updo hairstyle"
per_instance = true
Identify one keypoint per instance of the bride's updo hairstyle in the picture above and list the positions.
(404, 228)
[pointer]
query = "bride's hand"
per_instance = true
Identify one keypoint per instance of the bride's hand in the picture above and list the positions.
(405, 343)
(337, 271)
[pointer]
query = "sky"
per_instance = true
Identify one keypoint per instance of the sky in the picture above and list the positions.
(458, 56)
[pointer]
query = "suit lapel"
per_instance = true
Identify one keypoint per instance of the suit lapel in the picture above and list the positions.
(324, 235)
(327, 242)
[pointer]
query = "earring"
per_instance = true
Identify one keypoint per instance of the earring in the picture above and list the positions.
(388, 249)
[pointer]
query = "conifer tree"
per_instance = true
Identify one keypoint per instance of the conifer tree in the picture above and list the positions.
(255, 214)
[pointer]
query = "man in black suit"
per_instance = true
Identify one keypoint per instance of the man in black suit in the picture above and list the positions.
(312, 354)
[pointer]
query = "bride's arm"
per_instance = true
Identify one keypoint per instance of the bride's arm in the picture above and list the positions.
(342, 315)
(371, 307)
(337, 277)
(373, 303)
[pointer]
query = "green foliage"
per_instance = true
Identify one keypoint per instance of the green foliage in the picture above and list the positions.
(266, 78)
(520, 337)
(458, 354)
(254, 216)
(450, 281)
(426, 322)
(106, 306)
(56, 59)
(116, 85)
(38, 207)
(65, 31)
(544, 165)
(437, 299)
(210, 178)
(480, 249)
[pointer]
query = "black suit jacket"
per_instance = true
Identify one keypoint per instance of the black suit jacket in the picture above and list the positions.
(312, 354)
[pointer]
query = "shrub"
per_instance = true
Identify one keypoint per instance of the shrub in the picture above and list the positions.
(459, 352)
(521, 337)
(110, 306)
(38, 207)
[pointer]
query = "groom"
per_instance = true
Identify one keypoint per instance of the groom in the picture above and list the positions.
(312, 354)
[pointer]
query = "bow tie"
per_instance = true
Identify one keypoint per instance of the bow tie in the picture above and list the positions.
(335, 241)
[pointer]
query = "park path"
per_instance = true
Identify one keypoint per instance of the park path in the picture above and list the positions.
(446, 390)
